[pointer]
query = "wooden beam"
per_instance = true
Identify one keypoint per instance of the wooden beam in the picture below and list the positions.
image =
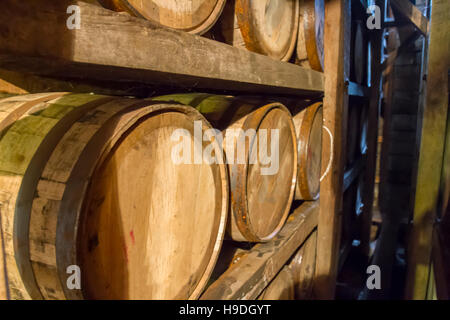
(351, 174)
(247, 278)
(372, 135)
(431, 153)
(335, 110)
(110, 46)
(412, 13)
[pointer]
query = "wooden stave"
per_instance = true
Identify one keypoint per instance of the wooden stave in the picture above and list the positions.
(66, 259)
(16, 225)
(234, 113)
(303, 122)
(309, 50)
(245, 34)
(225, 203)
(281, 287)
(205, 26)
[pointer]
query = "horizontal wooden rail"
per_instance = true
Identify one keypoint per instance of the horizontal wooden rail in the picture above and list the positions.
(252, 273)
(351, 174)
(412, 13)
(110, 46)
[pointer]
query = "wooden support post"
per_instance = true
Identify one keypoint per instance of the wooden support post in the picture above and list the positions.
(335, 110)
(431, 153)
(412, 13)
(372, 135)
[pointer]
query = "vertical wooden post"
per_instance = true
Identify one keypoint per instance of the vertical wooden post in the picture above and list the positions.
(337, 40)
(372, 133)
(431, 153)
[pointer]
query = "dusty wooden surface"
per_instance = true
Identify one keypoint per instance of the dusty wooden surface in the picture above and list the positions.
(372, 135)
(281, 288)
(337, 40)
(112, 46)
(303, 267)
(431, 153)
(411, 12)
(250, 275)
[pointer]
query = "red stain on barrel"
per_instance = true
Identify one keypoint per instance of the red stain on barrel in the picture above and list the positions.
(132, 237)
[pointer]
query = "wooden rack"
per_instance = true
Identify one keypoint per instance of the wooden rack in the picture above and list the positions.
(112, 49)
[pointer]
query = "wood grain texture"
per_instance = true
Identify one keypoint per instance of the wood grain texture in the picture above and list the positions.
(337, 40)
(372, 135)
(54, 213)
(260, 201)
(431, 153)
(303, 267)
(281, 288)
(160, 56)
(308, 125)
(196, 16)
(411, 12)
(268, 27)
(34, 133)
(247, 278)
(310, 43)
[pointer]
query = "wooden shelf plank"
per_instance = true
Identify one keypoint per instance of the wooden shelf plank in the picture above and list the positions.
(412, 13)
(247, 278)
(110, 46)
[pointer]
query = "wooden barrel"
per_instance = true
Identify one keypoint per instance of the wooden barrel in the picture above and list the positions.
(308, 126)
(303, 267)
(359, 59)
(260, 197)
(310, 44)
(196, 16)
(280, 288)
(267, 27)
(90, 181)
(352, 134)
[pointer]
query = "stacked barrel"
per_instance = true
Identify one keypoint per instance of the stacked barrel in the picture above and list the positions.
(106, 197)
(286, 30)
(91, 181)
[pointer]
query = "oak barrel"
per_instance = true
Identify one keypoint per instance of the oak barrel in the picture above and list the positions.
(88, 181)
(303, 267)
(261, 190)
(281, 287)
(308, 126)
(267, 27)
(196, 16)
(310, 43)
